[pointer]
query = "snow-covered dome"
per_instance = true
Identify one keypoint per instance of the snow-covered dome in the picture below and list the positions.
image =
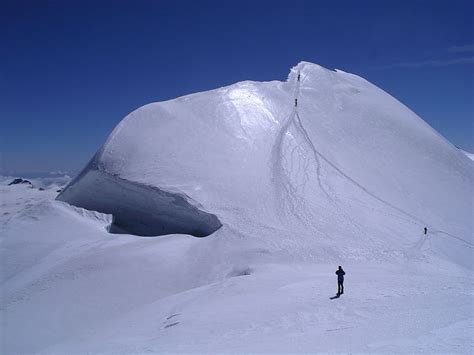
(323, 164)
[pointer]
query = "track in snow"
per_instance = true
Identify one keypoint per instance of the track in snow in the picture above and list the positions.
(294, 203)
(287, 193)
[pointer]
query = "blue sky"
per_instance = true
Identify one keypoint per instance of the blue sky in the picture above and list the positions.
(71, 70)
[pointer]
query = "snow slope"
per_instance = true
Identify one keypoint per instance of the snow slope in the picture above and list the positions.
(348, 177)
(68, 286)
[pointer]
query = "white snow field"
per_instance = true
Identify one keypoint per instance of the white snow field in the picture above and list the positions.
(215, 222)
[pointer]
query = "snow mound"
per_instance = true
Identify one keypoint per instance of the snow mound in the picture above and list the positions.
(322, 164)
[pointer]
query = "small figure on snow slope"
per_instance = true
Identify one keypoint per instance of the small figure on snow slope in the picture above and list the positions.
(340, 280)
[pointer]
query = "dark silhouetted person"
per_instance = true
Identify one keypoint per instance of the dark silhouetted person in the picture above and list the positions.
(296, 102)
(340, 280)
(299, 77)
(426, 230)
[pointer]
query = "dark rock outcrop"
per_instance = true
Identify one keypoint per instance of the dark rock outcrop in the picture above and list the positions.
(20, 181)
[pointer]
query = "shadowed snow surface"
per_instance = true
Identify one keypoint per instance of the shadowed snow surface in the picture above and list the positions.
(141, 209)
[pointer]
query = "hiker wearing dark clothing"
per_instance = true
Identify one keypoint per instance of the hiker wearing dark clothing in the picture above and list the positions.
(340, 280)
(426, 230)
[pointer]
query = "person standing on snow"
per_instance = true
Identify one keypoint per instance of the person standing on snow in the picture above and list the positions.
(340, 280)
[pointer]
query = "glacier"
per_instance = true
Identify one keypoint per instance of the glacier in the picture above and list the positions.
(214, 223)
(347, 162)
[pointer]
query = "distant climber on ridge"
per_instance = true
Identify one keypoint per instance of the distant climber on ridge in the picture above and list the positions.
(296, 102)
(426, 230)
(340, 280)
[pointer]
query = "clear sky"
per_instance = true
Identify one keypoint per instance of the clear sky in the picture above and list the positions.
(71, 70)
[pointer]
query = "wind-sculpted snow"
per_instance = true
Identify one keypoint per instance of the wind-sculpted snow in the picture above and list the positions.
(345, 163)
(140, 209)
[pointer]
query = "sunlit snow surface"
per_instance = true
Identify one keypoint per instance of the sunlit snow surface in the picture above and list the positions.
(348, 177)
(469, 155)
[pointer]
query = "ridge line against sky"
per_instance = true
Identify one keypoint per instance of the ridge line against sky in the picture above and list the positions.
(72, 70)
